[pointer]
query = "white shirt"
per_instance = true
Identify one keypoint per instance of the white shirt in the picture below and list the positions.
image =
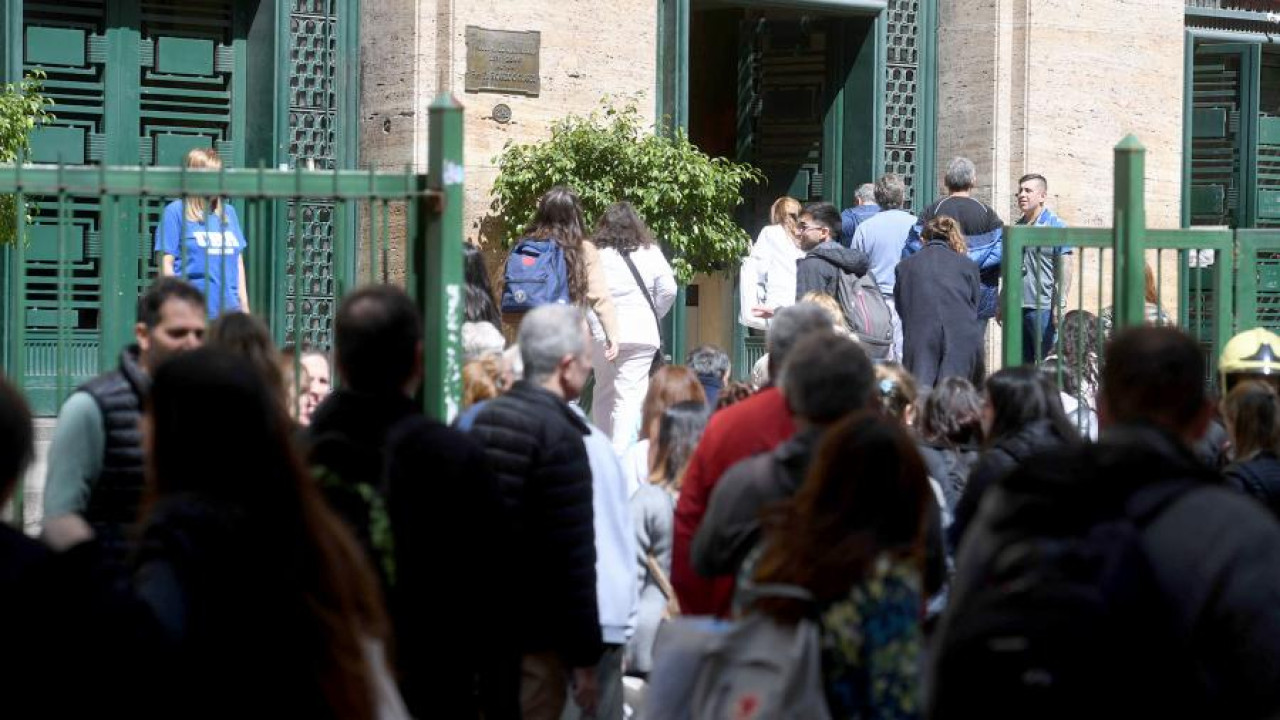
(635, 320)
(769, 274)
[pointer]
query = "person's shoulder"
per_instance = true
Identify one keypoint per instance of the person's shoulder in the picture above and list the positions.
(174, 207)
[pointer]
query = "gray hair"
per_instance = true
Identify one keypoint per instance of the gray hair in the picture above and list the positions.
(708, 360)
(891, 192)
(826, 377)
(866, 193)
(961, 174)
(789, 325)
(547, 334)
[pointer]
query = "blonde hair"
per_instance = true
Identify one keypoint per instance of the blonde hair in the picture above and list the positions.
(946, 228)
(785, 211)
(203, 159)
(830, 306)
(482, 379)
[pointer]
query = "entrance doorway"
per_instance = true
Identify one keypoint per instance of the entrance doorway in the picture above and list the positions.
(796, 93)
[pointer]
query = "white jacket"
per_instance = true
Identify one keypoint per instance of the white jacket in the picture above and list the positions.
(768, 275)
(635, 320)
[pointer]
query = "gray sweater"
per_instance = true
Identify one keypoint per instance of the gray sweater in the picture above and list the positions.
(653, 514)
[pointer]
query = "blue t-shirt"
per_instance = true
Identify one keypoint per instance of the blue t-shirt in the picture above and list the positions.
(205, 253)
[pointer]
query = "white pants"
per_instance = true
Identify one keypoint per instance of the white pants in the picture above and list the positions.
(897, 328)
(621, 385)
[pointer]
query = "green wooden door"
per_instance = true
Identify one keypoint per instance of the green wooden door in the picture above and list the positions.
(134, 82)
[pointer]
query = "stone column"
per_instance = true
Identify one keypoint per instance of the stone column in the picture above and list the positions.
(1050, 86)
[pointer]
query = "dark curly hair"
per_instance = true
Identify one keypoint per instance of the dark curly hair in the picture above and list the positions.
(622, 229)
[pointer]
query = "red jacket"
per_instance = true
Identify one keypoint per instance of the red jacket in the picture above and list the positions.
(750, 427)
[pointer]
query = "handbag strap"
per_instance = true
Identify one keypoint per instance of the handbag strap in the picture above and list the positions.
(644, 289)
(660, 577)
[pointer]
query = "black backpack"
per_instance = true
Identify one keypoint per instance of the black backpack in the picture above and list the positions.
(1064, 619)
(866, 313)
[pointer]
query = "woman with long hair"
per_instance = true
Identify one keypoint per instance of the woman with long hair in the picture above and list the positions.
(768, 274)
(653, 509)
(670, 385)
(1251, 412)
(479, 305)
(853, 538)
(950, 438)
(265, 598)
(199, 240)
(643, 288)
(936, 296)
(559, 218)
(1022, 416)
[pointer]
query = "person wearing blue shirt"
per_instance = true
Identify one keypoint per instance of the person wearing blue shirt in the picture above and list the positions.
(864, 208)
(200, 241)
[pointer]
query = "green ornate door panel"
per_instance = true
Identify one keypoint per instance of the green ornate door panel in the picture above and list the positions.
(133, 82)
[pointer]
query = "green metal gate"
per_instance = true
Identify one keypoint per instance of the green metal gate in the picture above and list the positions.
(430, 224)
(141, 82)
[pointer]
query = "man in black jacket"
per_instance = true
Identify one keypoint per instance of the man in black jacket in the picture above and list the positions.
(534, 443)
(1181, 616)
(381, 462)
(826, 260)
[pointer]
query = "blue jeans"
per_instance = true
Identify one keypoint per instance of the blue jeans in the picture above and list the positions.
(1038, 334)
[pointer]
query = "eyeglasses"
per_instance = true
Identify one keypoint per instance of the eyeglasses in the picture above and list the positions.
(804, 227)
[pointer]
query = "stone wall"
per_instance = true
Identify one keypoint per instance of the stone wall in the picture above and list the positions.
(1050, 86)
(588, 50)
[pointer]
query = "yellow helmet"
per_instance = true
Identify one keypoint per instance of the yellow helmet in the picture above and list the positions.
(1252, 352)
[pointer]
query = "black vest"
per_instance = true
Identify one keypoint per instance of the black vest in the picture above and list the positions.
(116, 495)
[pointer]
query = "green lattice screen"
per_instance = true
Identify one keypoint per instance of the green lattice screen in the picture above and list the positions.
(902, 93)
(313, 115)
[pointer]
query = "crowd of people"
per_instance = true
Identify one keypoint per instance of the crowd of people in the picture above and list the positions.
(854, 536)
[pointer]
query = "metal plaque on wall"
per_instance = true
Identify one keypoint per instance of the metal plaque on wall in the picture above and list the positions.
(503, 61)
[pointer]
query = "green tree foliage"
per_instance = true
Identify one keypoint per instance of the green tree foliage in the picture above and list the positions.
(22, 110)
(686, 197)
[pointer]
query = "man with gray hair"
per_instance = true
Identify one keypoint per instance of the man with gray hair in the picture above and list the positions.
(534, 443)
(982, 227)
(882, 238)
(750, 427)
(826, 377)
(865, 207)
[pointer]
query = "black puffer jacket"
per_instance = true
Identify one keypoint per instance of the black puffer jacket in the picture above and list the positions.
(1258, 476)
(998, 461)
(533, 442)
(820, 270)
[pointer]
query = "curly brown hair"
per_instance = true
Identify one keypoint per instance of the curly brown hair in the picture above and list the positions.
(945, 227)
(622, 229)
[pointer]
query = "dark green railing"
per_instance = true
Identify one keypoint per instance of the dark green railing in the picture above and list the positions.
(70, 282)
(1124, 252)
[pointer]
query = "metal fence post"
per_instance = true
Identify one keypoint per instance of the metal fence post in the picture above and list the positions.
(437, 264)
(1128, 281)
(1011, 299)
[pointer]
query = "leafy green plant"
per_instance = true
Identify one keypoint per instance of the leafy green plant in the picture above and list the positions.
(686, 197)
(22, 110)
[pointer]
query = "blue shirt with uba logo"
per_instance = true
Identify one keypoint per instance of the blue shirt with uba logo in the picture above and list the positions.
(205, 253)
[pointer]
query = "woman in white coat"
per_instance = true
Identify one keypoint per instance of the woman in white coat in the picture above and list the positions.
(642, 293)
(768, 276)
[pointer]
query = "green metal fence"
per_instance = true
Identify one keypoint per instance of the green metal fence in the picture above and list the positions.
(1150, 270)
(69, 284)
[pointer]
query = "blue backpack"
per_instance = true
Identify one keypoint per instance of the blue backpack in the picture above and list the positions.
(536, 275)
